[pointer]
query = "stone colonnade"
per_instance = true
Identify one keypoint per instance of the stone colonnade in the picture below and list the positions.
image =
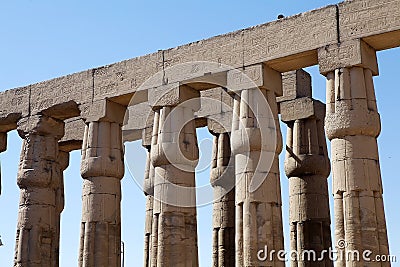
(247, 216)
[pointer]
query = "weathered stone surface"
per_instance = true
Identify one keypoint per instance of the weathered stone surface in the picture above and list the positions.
(256, 144)
(346, 54)
(295, 84)
(228, 83)
(127, 76)
(103, 110)
(102, 168)
(172, 95)
(14, 104)
(76, 87)
(357, 182)
(257, 76)
(300, 108)
(290, 36)
(73, 137)
(377, 22)
(222, 178)
(40, 181)
(307, 167)
(174, 154)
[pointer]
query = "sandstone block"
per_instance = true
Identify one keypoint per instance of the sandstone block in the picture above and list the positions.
(295, 84)
(74, 132)
(103, 110)
(347, 54)
(14, 104)
(301, 108)
(76, 87)
(251, 77)
(127, 76)
(173, 95)
(377, 22)
(293, 37)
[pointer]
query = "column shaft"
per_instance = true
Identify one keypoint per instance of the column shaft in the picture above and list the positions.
(148, 188)
(174, 156)
(223, 179)
(307, 166)
(256, 144)
(40, 181)
(353, 124)
(102, 169)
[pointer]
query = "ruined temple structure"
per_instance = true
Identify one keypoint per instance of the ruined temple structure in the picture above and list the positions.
(239, 85)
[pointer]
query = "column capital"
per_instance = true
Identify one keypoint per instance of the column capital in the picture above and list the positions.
(103, 110)
(175, 141)
(347, 54)
(295, 84)
(255, 76)
(40, 125)
(306, 147)
(174, 94)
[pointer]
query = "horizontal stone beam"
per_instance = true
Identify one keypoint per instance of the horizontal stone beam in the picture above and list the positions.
(286, 44)
(301, 108)
(376, 21)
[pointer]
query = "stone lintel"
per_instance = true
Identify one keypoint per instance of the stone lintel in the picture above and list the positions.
(221, 123)
(302, 108)
(103, 110)
(14, 103)
(259, 75)
(9, 122)
(295, 84)
(173, 95)
(72, 139)
(207, 81)
(77, 87)
(377, 22)
(347, 54)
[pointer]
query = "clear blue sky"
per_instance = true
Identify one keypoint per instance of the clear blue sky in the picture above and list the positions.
(43, 39)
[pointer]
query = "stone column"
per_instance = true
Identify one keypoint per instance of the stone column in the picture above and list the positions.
(307, 166)
(256, 144)
(63, 162)
(353, 125)
(3, 147)
(223, 182)
(40, 181)
(148, 189)
(102, 169)
(174, 154)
